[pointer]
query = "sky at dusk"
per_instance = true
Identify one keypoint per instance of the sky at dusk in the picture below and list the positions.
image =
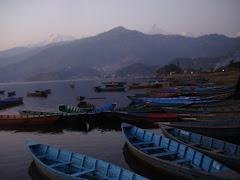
(24, 22)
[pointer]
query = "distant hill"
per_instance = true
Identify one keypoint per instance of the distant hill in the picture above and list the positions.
(137, 70)
(113, 50)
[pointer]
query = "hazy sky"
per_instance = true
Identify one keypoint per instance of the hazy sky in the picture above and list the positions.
(24, 22)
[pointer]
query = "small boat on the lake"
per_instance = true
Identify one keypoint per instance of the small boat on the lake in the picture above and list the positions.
(9, 102)
(167, 155)
(57, 163)
(99, 88)
(12, 93)
(48, 91)
(70, 109)
(107, 108)
(146, 117)
(199, 110)
(145, 85)
(37, 93)
(86, 106)
(25, 112)
(221, 128)
(28, 120)
(80, 98)
(224, 152)
(72, 86)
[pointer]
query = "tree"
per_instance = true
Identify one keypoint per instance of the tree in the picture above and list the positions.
(169, 68)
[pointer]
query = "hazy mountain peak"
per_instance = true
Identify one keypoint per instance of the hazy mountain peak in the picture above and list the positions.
(53, 38)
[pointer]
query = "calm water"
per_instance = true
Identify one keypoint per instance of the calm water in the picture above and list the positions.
(104, 141)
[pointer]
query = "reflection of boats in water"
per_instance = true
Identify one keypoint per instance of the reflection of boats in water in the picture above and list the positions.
(53, 129)
(34, 172)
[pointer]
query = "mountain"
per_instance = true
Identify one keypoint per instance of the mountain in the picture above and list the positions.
(137, 70)
(116, 49)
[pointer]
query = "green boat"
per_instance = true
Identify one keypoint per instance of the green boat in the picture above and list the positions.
(24, 112)
(86, 106)
(70, 109)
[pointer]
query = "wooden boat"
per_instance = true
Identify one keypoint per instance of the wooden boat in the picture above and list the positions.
(108, 108)
(70, 109)
(48, 91)
(12, 93)
(224, 128)
(80, 98)
(224, 152)
(24, 112)
(165, 102)
(145, 85)
(86, 106)
(167, 155)
(37, 93)
(9, 102)
(98, 88)
(57, 163)
(146, 117)
(72, 86)
(202, 115)
(114, 85)
(28, 120)
(199, 110)
(2, 91)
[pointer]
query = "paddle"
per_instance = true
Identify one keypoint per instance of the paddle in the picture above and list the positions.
(80, 98)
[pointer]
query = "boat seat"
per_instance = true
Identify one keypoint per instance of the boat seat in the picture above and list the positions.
(163, 154)
(150, 148)
(83, 172)
(142, 143)
(181, 161)
(43, 156)
(59, 164)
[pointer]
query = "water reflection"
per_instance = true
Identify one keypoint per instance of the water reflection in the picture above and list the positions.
(35, 173)
(53, 129)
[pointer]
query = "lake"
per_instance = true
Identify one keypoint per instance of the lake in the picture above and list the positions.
(100, 140)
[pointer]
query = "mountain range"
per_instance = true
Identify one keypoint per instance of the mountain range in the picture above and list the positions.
(106, 53)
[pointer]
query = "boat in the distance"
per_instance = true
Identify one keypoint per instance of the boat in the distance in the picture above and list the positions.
(57, 163)
(37, 93)
(99, 88)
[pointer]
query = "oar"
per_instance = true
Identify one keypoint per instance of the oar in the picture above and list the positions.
(82, 98)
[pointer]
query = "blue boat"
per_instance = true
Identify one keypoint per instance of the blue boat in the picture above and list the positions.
(166, 102)
(223, 128)
(224, 152)
(98, 88)
(9, 102)
(110, 107)
(167, 155)
(57, 163)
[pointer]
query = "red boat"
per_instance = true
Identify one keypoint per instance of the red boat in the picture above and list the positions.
(28, 120)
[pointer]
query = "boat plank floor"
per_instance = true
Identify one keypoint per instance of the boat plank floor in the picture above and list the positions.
(181, 161)
(59, 164)
(83, 172)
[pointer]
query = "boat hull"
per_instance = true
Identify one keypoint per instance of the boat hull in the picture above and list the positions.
(27, 120)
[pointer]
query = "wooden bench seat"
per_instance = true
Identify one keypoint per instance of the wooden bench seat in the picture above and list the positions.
(142, 143)
(150, 148)
(163, 154)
